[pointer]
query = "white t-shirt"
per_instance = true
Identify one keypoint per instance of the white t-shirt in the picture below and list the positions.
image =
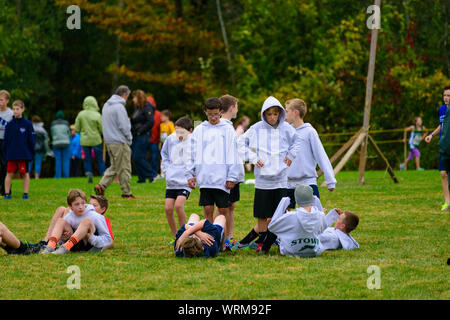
(5, 117)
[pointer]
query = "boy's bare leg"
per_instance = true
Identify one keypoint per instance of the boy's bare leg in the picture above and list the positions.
(26, 182)
(168, 208)
(61, 227)
(193, 219)
(85, 229)
(222, 221)
(208, 212)
(8, 180)
(262, 225)
(7, 238)
(179, 208)
(444, 179)
(230, 219)
(59, 213)
(225, 212)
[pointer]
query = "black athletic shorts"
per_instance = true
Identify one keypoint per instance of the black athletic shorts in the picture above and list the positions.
(209, 197)
(175, 193)
(235, 194)
(81, 246)
(266, 202)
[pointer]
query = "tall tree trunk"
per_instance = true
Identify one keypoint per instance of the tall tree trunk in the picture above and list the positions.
(178, 8)
(444, 38)
(225, 40)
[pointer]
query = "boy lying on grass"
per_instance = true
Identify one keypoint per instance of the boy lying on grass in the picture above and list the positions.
(87, 229)
(306, 231)
(200, 238)
(12, 245)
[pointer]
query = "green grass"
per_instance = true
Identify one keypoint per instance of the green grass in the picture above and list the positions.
(401, 230)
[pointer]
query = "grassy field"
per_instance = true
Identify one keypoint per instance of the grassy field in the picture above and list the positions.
(402, 231)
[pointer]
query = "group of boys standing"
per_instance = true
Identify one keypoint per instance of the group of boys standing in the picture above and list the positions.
(284, 151)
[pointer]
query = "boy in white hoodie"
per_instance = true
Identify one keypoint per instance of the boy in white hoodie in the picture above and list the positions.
(174, 160)
(229, 110)
(271, 145)
(311, 153)
(214, 165)
(305, 232)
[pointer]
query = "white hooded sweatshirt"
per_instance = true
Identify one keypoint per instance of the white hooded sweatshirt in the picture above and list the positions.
(214, 156)
(270, 144)
(241, 170)
(311, 154)
(175, 157)
(102, 236)
(299, 230)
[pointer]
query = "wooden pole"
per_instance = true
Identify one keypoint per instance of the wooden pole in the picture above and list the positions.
(368, 102)
(350, 152)
(389, 168)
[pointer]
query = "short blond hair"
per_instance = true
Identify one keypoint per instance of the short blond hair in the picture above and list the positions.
(74, 194)
(19, 103)
(5, 94)
(299, 105)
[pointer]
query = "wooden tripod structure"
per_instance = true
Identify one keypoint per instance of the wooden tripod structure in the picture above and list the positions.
(362, 137)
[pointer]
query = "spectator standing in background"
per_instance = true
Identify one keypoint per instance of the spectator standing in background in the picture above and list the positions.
(60, 133)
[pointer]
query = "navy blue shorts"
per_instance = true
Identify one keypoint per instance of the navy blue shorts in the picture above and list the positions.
(291, 195)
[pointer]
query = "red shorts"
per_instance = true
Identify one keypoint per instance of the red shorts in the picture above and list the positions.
(14, 165)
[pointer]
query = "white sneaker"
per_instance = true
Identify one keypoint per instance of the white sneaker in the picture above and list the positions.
(61, 250)
(47, 250)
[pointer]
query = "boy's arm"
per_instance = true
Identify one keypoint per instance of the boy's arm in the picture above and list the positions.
(294, 148)
(321, 157)
(31, 139)
(104, 238)
(196, 227)
(331, 217)
(165, 157)
(247, 146)
(281, 221)
(234, 165)
(431, 135)
(191, 148)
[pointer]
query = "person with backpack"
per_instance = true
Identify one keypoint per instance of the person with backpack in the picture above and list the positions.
(41, 148)
(60, 132)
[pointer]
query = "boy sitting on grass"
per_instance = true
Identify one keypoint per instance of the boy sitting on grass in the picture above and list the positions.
(89, 230)
(100, 204)
(200, 238)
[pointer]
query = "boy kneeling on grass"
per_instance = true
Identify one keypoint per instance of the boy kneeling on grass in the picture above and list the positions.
(200, 238)
(88, 229)
(306, 231)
